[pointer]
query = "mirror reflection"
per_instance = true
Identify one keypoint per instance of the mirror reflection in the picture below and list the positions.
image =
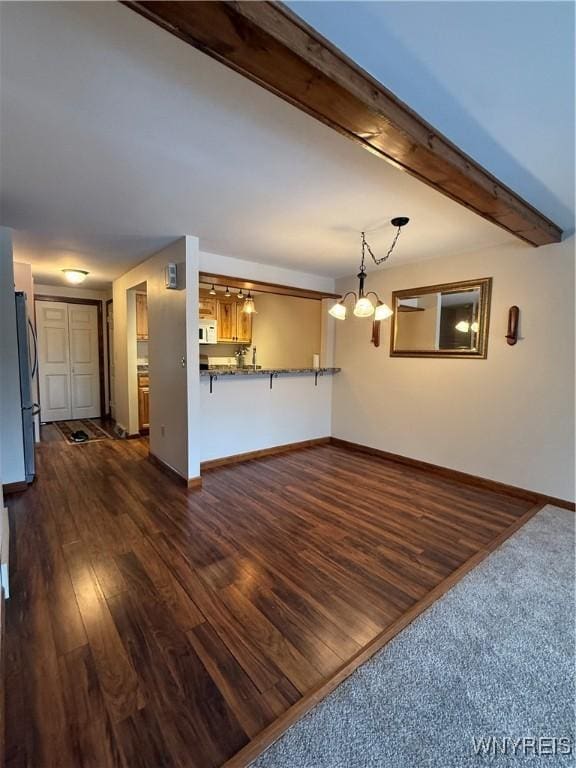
(445, 320)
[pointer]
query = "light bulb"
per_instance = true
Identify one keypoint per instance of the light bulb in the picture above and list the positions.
(463, 326)
(249, 307)
(382, 312)
(338, 311)
(75, 276)
(364, 307)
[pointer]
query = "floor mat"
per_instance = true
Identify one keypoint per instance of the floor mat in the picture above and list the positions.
(91, 428)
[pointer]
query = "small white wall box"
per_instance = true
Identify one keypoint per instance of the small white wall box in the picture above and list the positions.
(171, 276)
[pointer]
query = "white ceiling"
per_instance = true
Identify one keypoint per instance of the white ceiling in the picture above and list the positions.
(117, 137)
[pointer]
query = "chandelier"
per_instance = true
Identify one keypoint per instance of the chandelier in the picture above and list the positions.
(363, 306)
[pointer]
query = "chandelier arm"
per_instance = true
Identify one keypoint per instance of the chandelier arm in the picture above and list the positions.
(343, 298)
(373, 293)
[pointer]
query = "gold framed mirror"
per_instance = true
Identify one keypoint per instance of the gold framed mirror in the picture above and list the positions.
(445, 320)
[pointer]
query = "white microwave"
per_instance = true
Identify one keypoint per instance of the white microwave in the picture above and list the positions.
(207, 332)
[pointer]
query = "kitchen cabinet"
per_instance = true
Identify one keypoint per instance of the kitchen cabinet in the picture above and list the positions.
(243, 325)
(234, 326)
(141, 317)
(143, 402)
(226, 320)
(207, 308)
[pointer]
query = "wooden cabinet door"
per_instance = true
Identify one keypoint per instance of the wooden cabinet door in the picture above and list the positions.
(144, 407)
(207, 308)
(226, 318)
(243, 326)
(141, 317)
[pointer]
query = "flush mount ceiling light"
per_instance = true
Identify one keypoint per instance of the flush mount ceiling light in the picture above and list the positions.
(75, 276)
(363, 306)
(249, 306)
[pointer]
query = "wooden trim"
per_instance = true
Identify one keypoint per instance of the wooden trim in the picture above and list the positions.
(275, 48)
(109, 409)
(225, 281)
(94, 303)
(556, 502)
(485, 285)
(458, 476)
(270, 734)
(191, 482)
(237, 458)
(18, 487)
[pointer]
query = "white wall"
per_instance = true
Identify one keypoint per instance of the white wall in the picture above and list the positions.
(509, 418)
(243, 414)
(173, 408)
(12, 447)
(251, 270)
(73, 292)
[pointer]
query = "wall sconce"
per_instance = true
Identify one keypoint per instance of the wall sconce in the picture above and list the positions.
(513, 318)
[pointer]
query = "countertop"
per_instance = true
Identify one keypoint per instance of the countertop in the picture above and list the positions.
(265, 371)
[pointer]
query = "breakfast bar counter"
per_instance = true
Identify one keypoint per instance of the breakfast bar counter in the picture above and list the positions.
(243, 410)
(247, 371)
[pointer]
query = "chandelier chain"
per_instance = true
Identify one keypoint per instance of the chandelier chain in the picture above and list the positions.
(366, 247)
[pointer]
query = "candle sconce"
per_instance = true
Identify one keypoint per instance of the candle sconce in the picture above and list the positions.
(376, 333)
(513, 318)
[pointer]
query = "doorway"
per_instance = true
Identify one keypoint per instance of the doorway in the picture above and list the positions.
(70, 358)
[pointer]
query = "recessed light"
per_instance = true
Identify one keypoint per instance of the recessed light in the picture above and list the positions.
(75, 276)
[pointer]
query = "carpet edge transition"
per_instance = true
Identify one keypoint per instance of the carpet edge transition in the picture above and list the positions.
(276, 729)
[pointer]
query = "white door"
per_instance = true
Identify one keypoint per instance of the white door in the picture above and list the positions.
(68, 360)
(84, 366)
(53, 360)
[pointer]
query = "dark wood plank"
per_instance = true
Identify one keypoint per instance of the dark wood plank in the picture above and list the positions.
(118, 679)
(152, 625)
(272, 46)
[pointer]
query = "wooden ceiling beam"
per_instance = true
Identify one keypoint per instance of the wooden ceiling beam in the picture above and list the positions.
(270, 45)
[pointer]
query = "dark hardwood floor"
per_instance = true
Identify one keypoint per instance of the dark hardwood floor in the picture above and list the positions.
(150, 625)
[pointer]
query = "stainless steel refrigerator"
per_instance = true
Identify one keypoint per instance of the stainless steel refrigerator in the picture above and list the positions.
(28, 364)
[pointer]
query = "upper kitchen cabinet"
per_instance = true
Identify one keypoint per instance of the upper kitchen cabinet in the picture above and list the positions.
(141, 317)
(207, 308)
(243, 326)
(226, 320)
(234, 326)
